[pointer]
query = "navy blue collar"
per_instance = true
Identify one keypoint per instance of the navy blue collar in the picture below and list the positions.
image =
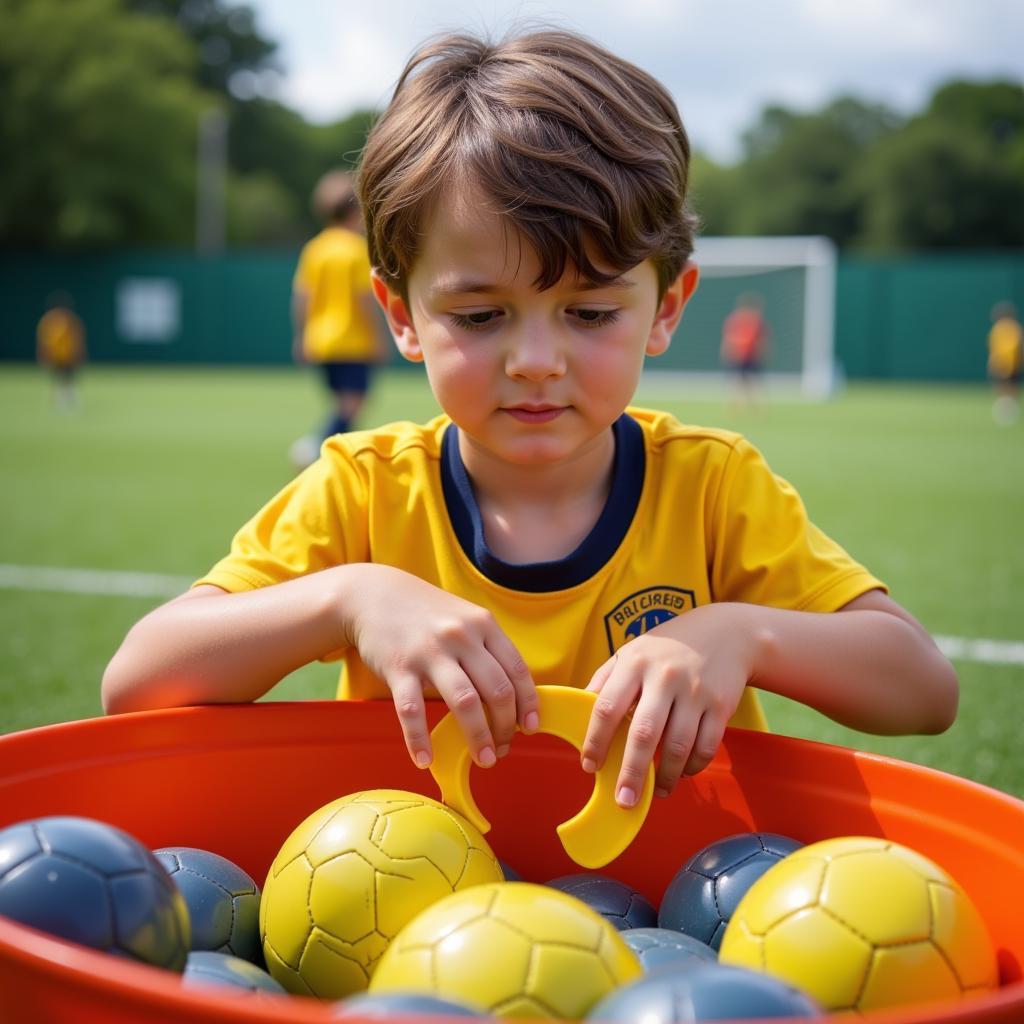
(594, 550)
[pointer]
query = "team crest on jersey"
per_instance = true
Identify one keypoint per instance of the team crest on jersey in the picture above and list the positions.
(642, 611)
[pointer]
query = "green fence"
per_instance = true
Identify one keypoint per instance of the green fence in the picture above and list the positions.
(697, 342)
(156, 307)
(923, 316)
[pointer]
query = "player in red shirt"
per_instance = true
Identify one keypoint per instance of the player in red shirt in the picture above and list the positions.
(745, 343)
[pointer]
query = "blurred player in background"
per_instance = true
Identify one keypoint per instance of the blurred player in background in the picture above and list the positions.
(336, 321)
(1005, 360)
(745, 344)
(60, 347)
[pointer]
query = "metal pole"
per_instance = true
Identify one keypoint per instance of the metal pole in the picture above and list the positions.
(211, 172)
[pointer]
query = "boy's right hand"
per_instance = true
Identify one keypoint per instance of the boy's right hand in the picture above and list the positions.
(416, 636)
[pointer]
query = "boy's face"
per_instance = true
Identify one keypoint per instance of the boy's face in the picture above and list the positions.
(529, 377)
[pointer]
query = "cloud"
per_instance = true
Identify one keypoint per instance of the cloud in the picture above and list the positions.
(722, 60)
(878, 25)
(358, 67)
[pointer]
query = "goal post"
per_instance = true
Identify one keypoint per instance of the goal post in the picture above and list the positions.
(795, 280)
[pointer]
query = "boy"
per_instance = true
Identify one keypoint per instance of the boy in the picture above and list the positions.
(526, 223)
(335, 319)
(1005, 361)
(60, 346)
(744, 343)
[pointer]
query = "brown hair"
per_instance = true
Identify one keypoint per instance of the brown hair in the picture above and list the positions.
(334, 197)
(574, 145)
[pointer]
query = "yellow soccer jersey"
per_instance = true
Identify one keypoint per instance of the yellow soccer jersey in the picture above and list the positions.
(333, 272)
(693, 516)
(59, 336)
(1005, 348)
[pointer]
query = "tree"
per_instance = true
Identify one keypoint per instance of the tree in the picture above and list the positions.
(231, 50)
(954, 177)
(268, 138)
(713, 194)
(995, 109)
(98, 126)
(275, 155)
(929, 189)
(799, 172)
(261, 211)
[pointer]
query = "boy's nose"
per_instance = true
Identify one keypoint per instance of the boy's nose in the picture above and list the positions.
(534, 354)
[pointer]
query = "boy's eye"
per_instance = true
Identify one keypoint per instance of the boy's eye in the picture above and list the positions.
(474, 321)
(595, 317)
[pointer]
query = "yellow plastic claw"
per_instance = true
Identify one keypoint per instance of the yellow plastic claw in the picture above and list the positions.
(602, 829)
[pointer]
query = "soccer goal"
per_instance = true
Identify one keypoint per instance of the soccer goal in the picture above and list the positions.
(794, 278)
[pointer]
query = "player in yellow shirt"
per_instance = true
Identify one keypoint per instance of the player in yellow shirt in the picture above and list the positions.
(1005, 361)
(526, 218)
(60, 346)
(335, 318)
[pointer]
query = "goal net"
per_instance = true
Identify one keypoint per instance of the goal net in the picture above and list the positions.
(794, 279)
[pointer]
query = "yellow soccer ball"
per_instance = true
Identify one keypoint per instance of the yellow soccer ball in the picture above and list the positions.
(512, 950)
(861, 923)
(352, 875)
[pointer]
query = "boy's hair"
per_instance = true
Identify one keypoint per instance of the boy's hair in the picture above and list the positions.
(576, 147)
(334, 197)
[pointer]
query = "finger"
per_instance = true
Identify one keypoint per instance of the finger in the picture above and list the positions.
(645, 731)
(458, 692)
(412, 717)
(705, 745)
(676, 744)
(497, 693)
(506, 654)
(612, 705)
(600, 677)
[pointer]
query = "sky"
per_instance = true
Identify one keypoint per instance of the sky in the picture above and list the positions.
(722, 60)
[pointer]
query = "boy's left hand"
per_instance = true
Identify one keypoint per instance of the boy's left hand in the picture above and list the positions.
(685, 678)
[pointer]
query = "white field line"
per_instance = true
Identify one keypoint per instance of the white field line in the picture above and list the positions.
(102, 582)
(992, 652)
(108, 583)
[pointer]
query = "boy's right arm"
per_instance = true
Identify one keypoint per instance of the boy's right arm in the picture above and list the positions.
(212, 647)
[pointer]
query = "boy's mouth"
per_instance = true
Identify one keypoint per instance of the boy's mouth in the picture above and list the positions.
(535, 413)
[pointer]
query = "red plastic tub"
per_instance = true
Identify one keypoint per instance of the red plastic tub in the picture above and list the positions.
(238, 779)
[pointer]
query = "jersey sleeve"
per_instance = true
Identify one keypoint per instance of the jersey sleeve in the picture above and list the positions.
(317, 521)
(766, 551)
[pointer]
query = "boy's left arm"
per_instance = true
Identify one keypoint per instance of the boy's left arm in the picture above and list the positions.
(870, 666)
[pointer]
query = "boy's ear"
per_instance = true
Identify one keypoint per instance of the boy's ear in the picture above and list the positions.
(673, 302)
(397, 314)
